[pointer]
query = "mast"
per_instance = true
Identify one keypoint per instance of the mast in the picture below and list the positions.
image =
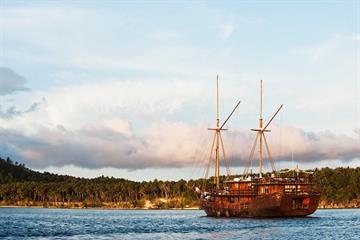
(261, 135)
(218, 139)
(217, 133)
(260, 127)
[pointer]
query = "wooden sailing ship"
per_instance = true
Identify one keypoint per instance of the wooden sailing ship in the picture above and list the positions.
(255, 195)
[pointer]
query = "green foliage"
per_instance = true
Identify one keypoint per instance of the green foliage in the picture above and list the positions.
(339, 185)
(22, 186)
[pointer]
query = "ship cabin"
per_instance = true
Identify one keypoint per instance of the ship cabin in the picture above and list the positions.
(268, 185)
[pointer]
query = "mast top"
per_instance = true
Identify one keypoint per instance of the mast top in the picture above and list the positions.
(261, 100)
(217, 101)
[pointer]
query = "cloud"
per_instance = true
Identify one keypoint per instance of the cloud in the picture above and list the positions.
(91, 125)
(123, 124)
(100, 146)
(289, 144)
(357, 131)
(10, 81)
(12, 112)
(226, 30)
(323, 145)
(166, 145)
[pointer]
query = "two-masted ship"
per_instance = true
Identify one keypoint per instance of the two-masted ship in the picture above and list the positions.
(255, 195)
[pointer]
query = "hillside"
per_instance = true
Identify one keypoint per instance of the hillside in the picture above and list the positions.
(24, 187)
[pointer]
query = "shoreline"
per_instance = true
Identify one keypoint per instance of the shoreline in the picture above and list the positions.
(127, 209)
(100, 208)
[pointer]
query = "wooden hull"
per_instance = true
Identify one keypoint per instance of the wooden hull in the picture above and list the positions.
(275, 205)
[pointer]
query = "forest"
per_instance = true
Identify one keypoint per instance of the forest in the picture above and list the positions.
(21, 186)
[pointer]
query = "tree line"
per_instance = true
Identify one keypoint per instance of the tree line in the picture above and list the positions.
(20, 185)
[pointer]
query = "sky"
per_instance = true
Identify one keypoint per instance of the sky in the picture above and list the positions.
(127, 88)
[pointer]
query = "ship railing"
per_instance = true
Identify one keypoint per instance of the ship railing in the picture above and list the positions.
(297, 191)
(276, 181)
(234, 192)
(284, 181)
(302, 191)
(242, 192)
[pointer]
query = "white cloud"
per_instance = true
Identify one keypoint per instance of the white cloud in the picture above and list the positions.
(167, 145)
(227, 30)
(129, 124)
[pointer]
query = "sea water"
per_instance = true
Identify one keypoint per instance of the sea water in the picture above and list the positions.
(32, 223)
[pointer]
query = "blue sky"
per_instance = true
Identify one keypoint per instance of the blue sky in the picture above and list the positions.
(127, 88)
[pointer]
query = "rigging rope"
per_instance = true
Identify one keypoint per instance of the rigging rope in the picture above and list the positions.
(225, 159)
(246, 170)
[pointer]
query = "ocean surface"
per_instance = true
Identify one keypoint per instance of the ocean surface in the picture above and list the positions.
(31, 223)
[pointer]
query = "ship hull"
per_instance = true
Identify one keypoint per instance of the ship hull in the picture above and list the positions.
(268, 206)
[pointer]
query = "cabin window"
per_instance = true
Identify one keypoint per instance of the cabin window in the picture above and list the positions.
(290, 188)
(265, 190)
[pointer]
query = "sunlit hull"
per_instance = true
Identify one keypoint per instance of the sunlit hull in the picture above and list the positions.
(275, 205)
